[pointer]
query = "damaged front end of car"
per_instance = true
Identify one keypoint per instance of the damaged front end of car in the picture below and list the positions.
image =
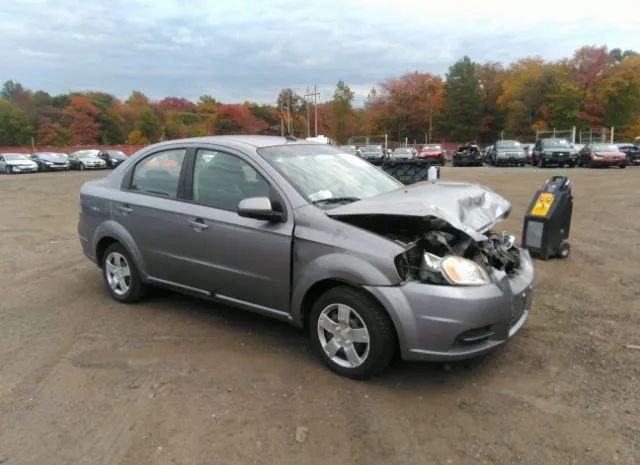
(463, 289)
(444, 229)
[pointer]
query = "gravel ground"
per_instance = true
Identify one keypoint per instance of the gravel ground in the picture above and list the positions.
(175, 380)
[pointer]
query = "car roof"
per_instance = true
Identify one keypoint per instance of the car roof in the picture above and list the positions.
(254, 141)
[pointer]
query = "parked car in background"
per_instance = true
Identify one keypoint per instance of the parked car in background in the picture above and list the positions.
(112, 157)
(350, 149)
(507, 152)
(86, 160)
(552, 151)
(13, 163)
(467, 155)
(402, 153)
(51, 161)
(311, 236)
(433, 153)
(632, 152)
(602, 155)
(375, 154)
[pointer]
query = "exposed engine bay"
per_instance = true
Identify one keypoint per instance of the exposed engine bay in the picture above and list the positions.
(428, 240)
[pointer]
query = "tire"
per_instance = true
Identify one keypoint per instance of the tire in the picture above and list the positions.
(623, 167)
(81, 166)
(9, 169)
(564, 250)
(541, 164)
(130, 290)
(357, 360)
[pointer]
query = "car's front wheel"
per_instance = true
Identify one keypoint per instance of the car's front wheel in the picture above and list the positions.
(121, 275)
(81, 167)
(352, 333)
(9, 169)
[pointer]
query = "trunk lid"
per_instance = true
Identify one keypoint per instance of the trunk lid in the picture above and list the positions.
(471, 208)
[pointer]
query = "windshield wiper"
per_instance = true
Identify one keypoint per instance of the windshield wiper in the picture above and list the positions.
(336, 200)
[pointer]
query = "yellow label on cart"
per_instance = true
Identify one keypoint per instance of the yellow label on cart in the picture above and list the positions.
(543, 204)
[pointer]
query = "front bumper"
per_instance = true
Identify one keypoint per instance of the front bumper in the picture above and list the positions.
(24, 169)
(559, 158)
(605, 162)
(446, 323)
(511, 159)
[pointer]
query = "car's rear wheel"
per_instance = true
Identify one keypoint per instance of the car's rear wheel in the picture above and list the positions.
(121, 275)
(352, 333)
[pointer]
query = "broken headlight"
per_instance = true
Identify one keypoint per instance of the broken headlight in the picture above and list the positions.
(452, 269)
(463, 272)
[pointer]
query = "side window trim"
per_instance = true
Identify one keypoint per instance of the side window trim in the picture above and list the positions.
(127, 179)
(189, 168)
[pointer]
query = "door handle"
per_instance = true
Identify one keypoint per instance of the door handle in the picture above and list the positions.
(125, 209)
(198, 224)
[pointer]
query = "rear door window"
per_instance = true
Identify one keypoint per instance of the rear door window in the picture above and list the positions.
(159, 174)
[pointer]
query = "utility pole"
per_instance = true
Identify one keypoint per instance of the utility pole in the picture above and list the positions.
(315, 94)
(281, 118)
(289, 114)
(306, 103)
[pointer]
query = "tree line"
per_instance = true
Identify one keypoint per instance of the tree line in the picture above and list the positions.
(594, 88)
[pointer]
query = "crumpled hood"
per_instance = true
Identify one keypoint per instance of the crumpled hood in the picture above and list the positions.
(471, 208)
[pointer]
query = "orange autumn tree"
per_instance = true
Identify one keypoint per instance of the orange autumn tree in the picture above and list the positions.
(81, 117)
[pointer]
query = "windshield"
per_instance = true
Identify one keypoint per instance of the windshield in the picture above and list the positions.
(14, 156)
(116, 154)
(431, 148)
(605, 148)
(508, 144)
(88, 154)
(402, 150)
(372, 148)
(327, 177)
(50, 156)
(555, 143)
(348, 149)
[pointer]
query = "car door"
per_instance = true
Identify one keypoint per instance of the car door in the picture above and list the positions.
(148, 207)
(240, 260)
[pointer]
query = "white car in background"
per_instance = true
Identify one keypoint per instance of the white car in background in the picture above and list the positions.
(11, 163)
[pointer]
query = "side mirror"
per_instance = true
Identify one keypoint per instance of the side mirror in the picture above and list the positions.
(259, 208)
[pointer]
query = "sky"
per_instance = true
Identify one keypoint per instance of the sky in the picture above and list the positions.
(237, 50)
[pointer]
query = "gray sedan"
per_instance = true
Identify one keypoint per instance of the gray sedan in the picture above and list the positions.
(315, 237)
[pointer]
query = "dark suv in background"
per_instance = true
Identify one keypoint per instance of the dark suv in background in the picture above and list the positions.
(552, 151)
(112, 157)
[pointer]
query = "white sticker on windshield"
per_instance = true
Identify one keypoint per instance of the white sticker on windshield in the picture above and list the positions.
(320, 195)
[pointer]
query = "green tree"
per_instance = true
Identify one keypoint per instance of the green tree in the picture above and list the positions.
(462, 101)
(15, 128)
(342, 116)
(149, 125)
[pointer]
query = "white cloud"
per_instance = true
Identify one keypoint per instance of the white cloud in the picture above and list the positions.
(250, 49)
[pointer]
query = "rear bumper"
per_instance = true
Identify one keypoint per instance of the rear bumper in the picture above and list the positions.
(446, 323)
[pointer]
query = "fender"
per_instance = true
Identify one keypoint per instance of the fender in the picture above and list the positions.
(333, 266)
(111, 228)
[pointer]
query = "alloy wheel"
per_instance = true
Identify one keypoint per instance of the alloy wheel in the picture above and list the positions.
(118, 273)
(343, 335)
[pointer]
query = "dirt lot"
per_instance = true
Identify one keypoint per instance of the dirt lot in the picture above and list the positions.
(175, 380)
